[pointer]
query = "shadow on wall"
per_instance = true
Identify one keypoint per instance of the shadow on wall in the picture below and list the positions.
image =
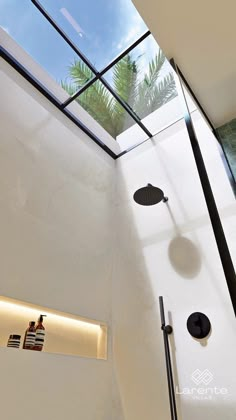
(183, 254)
(184, 257)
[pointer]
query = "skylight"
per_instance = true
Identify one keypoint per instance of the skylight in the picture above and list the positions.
(101, 29)
(103, 56)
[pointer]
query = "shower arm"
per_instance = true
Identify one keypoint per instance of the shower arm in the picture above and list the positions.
(167, 330)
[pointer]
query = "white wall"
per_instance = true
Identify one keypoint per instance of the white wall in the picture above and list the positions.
(55, 89)
(201, 37)
(53, 387)
(56, 231)
(169, 250)
(57, 223)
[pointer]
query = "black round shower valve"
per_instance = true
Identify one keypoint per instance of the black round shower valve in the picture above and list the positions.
(198, 325)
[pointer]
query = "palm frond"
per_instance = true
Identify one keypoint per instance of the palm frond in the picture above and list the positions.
(147, 86)
(69, 87)
(164, 92)
(80, 73)
(125, 79)
(125, 74)
(99, 103)
(154, 69)
(143, 96)
(150, 98)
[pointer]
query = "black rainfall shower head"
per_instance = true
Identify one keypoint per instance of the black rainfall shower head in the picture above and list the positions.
(149, 195)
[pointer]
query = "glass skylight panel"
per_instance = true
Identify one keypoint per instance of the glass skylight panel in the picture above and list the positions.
(101, 29)
(26, 25)
(101, 105)
(144, 79)
(73, 41)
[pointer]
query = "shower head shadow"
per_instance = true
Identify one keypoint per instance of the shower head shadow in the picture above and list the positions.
(149, 196)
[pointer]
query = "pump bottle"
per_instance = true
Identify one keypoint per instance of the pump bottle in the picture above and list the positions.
(40, 334)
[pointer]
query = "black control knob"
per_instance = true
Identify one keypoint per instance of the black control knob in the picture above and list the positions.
(198, 325)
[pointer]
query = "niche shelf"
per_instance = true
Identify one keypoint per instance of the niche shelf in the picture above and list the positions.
(65, 333)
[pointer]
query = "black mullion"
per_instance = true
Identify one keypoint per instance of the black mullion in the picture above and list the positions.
(125, 106)
(124, 53)
(221, 148)
(94, 70)
(45, 92)
(221, 241)
(79, 92)
(64, 36)
(108, 67)
(117, 97)
(195, 98)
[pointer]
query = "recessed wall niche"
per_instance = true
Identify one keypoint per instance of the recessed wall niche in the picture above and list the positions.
(65, 333)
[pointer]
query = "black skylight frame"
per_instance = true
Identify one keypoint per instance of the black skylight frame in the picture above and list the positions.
(62, 106)
(98, 74)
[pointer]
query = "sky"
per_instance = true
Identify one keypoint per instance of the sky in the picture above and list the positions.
(101, 29)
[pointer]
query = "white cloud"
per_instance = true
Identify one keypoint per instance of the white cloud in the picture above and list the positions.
(5, 29)
(133, 28)
(133, 25)
(72, 21)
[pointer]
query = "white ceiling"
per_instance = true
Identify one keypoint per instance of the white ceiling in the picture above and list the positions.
(201, 36)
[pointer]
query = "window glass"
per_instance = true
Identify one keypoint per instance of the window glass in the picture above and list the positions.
(101, 105)
(101, 29)
(26, 25)
(144, 79)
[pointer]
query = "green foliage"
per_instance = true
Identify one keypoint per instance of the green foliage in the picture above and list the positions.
(80, 73)
(143, 96)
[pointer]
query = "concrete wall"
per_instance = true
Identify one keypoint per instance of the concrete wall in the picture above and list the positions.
(201, 37)
(56, 234)
(169, 250)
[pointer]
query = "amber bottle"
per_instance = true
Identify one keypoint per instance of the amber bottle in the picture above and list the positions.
(40, 334)
(30, 333)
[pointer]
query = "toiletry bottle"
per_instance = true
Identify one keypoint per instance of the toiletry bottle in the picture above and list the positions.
(14, 341)
(29, 340)
(40, 334)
